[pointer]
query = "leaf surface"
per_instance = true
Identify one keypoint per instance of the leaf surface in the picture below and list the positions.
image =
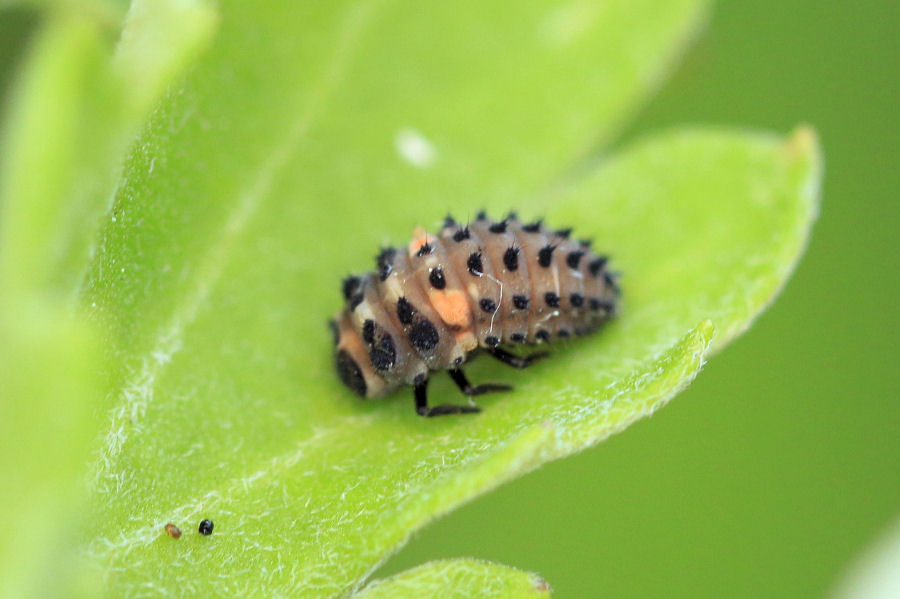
(302, 139)
(309, 487)
(459, 579)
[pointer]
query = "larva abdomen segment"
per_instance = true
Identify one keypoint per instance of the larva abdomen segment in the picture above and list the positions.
(503, 250)
(486, 283)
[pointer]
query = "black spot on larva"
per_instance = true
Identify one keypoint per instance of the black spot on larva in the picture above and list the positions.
(552, 299)
(517, 338)
(597, 265)
(576, 299)
(597, 304)
(405, 311)
(520, 302)
(563, 333)
(585, 243)
(385, 262)
(368, 331)
(499, 227)
(482, 215)
(545, 255)
(461, 234)
(543, 335)
(351, 286)
(610, 280)
(474, 264)
(335, 332)
(449, 221)
(436, 278)
(564, 233)
(355, 301)
(383, 355)
(492, 341)
(425, 249)
(350, 373)
(574, 258)
(532, 227)
(511, 258)
(488, 305)
(458, 361)
(424, 336)
(205, 528)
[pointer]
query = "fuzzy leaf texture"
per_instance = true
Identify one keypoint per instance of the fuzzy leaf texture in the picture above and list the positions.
(178, 292)
(459, 579)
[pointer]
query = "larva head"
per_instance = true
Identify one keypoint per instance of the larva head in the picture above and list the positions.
(352, 361)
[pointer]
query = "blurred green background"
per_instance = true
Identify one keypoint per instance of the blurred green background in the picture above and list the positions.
(782, 462)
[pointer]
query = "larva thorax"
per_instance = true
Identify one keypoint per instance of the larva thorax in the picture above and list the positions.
(482, 284)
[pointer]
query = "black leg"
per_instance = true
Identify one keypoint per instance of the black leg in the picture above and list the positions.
(422, 408)
(466, 387)
(514, 360)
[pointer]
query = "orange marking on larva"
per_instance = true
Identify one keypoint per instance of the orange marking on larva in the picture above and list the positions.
(420, 238)
(451, 306)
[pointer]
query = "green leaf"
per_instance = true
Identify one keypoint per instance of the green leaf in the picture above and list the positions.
(303, 138)
(337, 117)
(47, 146)
(49, 362)
(159, 38)
(72, 115)
(308, 486)
(238, 161)
(48, 385)
(462, 578)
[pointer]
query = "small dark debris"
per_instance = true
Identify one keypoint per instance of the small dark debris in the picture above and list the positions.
(206, 527)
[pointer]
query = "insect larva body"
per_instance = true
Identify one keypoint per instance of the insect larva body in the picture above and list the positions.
(487, 284)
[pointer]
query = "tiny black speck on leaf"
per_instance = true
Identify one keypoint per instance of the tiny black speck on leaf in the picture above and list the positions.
(206, 527)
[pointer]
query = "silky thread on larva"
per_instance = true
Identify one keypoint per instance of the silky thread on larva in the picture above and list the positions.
(486, 285)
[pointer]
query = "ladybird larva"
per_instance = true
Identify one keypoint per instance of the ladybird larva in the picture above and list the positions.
(485, 285)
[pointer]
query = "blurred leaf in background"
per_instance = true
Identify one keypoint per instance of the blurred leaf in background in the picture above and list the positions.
(70, 117)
